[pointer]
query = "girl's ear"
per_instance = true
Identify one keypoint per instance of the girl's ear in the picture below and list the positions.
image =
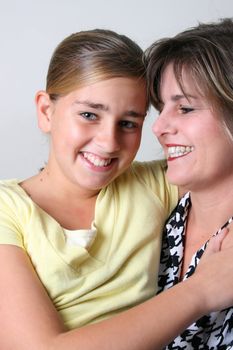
(44, 107)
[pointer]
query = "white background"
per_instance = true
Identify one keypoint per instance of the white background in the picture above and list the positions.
(29, 32)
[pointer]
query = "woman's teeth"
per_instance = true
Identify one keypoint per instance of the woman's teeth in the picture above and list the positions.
(95, 160)
(177, 151)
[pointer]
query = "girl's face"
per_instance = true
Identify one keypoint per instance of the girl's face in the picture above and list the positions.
(95, 131)
(198, 151)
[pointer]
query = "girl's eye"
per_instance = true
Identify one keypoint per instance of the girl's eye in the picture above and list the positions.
(185, 110)
(88, 116)
(126, 124)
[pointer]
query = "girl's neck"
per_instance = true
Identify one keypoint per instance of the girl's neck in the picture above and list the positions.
(73, 208)
(63, 187)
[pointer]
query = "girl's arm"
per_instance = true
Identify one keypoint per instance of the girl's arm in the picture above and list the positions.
(30, 321)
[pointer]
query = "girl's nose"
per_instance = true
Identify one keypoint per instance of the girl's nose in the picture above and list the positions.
(108, 139)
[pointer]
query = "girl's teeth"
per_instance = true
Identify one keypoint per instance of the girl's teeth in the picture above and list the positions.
(96, 160)
(177, 151)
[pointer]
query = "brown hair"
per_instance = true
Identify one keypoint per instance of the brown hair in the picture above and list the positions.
(205, 52)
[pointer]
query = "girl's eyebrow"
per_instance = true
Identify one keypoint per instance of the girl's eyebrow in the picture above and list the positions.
(134, 114)
(94, 105)
(105, 108)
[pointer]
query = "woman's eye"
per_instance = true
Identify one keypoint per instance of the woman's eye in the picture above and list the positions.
(88, 116)
(185, 110)
(159, 108)
(127, 124)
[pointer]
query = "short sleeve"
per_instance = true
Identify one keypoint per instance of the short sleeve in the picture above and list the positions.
(10, 225)
(153, 174)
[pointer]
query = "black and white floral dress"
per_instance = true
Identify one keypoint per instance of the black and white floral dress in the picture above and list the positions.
(214, 331)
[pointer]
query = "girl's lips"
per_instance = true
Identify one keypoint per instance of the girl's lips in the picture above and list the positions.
(96, 160)
(97, 163)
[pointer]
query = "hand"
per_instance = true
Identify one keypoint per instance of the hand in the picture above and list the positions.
(227, 241)
(215, 271)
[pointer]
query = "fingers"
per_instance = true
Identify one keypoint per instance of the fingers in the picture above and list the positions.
(216, 270)
(228, 240)
(215, 243)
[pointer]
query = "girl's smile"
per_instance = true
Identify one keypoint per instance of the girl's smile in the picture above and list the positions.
(95, 131)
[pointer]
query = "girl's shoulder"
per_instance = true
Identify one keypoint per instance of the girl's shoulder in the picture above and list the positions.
(154, 167)
(12, 195)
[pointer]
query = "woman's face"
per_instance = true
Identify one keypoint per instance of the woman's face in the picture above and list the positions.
(95, 131)
(198, 150)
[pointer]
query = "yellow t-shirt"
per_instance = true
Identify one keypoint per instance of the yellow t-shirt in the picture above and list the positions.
(120, 268)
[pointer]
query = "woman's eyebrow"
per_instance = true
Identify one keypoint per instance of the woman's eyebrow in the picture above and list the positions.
(178, 97)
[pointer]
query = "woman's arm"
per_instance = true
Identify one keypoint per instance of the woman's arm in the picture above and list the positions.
(29, 320)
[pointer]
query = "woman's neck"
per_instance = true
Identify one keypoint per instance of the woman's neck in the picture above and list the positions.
(210, 210)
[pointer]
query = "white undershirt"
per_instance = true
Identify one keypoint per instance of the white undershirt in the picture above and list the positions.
(83, 238)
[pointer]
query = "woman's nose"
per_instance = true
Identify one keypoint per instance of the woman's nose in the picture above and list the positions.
(163, 124)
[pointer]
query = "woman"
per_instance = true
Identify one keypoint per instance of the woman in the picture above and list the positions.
(191, 84)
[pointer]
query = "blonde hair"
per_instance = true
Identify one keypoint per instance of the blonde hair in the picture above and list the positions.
(90, 56)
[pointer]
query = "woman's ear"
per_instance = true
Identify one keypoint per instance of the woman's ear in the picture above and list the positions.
(44, 107)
